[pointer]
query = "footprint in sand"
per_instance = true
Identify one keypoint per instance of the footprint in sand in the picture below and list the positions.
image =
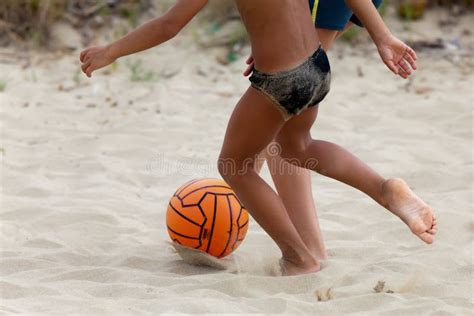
(228, 264)
(324, 295)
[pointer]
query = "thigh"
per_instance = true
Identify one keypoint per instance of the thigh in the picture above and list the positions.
(296, 132)
(253, 124)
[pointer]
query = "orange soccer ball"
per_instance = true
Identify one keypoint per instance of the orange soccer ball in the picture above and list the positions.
(206, 214)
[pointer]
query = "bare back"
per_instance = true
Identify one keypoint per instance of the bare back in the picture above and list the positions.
(281, 32)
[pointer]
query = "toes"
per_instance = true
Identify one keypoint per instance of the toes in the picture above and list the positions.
(426, 237)
(418, 227)
(432, 231)
(434, 224)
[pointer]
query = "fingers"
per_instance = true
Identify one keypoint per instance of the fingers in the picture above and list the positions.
(86, 68)
(86, 63)
(404, 66)
(392, 66)
(409, 58)
(408, 63)
(247, 72)
(411, 52)
(89, 71)
(249, 69)
(83, 55)
(402, 73)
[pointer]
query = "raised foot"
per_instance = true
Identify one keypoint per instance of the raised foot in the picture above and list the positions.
(412, 210)
(288, 268)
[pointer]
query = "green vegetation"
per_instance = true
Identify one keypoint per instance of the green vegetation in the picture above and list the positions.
(468, 3)
(3, 84)
(412, 9)
(383, 7)
(351, 34)
(132, 14)
(30, 20)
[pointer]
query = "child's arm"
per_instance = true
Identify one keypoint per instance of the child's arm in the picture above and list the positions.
(148, 35)
(395, 54)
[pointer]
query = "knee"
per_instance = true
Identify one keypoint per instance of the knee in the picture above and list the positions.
(292, 148)
(225, 166)
(232, 168)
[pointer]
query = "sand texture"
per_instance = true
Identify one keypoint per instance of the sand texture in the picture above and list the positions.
(88, 167)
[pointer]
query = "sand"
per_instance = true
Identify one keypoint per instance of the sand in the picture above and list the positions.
(88, 167)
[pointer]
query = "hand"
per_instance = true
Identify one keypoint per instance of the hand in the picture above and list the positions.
(250, 64)
(399, 57)
(94, 58)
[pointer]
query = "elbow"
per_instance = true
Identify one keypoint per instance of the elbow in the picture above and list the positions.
(349, 3)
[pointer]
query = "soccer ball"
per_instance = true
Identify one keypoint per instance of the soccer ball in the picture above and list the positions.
(206, 214)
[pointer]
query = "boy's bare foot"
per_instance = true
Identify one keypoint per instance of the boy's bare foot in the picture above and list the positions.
(289, 268)
(401, 201)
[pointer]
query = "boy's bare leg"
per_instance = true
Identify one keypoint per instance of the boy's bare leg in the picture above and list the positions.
(293, 185)
(253, 124)
(335, 162)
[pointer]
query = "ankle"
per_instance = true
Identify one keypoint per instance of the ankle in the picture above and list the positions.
(301, 258)
(384, 193)
(293, 257)
(315, 245)
(309, 262)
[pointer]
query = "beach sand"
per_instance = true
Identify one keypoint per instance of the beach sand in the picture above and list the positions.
(88, 167)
